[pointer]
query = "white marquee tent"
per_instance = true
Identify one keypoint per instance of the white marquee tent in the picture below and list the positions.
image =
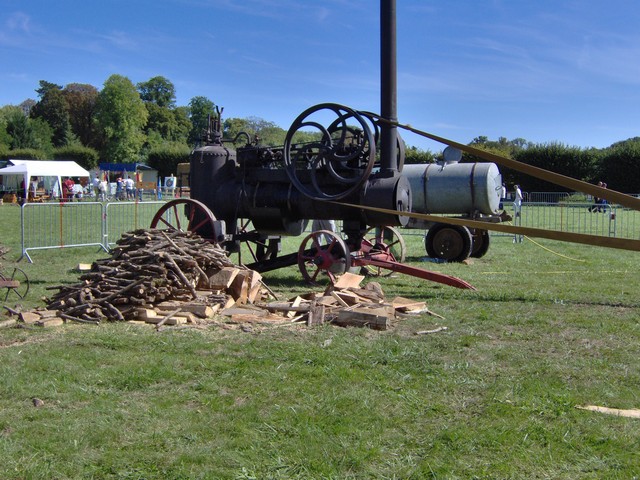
(44, 168)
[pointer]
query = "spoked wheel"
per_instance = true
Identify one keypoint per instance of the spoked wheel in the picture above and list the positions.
(18, 283)
(260, 247)
(338, 161)
(448, 242)
(323, 251)
(480, 243)
(384, 240)
(186, 214)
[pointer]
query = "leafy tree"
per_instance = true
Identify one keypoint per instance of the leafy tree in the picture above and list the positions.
(81, 104)
(52, 108)
(200, 108)
(159, 91)
(18, 128)
(42, 134)
(265, 132)
(171, 125)
(121, 115)
(27, 105)
(415, 155)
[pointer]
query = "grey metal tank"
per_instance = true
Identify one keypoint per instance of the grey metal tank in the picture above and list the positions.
(455, 188)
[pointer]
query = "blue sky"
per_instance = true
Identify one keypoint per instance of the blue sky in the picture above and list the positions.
(546, 70)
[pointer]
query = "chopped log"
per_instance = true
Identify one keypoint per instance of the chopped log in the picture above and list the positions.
(201, 310)
(286, 307)
(168, 317)
(50, 322)
(316, 314)
(239, 288)
(376, 319)
(180, 273)
(29, 317)
(223, 278)
(8, 323)
(146, 313)
(64, 316)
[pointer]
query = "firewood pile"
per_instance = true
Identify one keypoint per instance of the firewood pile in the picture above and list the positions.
(149, 268)
(170, 278)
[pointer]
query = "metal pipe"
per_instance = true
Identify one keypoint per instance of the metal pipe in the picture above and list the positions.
(388, 86)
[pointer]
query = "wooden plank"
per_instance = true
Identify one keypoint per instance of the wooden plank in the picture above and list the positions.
(349, 298)
(406, 304)
(296, 303)
(348, 280)
(630, 413)
(339, 300)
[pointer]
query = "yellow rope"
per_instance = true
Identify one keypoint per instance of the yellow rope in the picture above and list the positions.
(551, 251)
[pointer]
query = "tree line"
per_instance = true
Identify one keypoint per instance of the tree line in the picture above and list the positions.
(141, 123)
(618, 165)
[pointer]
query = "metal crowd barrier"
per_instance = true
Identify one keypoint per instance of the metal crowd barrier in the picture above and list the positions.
(81, 224)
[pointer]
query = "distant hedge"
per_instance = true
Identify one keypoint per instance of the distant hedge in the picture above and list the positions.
(24, 154)
(166, 159)
(84, 156)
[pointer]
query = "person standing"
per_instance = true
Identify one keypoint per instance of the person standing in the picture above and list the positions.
(128, 184)
(95, 182)
(67, 189)
(517, 200)
(119, 189)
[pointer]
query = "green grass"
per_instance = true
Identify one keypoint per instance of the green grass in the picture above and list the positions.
(551, 326)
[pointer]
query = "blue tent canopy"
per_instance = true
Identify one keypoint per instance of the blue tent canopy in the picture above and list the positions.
(123, 167)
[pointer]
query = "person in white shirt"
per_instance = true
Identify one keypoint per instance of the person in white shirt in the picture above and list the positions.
(517, 200)
(129, 187)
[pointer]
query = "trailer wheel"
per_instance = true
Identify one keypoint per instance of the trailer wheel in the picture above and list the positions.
(315, 256)
(194, 217)
(448, 242)
(480, 243)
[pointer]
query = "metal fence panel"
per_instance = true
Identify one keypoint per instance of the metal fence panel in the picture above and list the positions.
(121, 217)
(60, 225)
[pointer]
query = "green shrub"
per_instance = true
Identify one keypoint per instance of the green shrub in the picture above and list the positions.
(84, 156)
(26, 154)
(166, 158)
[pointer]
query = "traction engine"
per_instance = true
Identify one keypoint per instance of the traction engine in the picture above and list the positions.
(334, 160)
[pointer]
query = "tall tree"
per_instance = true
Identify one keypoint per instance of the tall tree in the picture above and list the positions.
(18, 128)
(199, 110)
(52, 108)
(81, 104)
(121, 115)
(158, 90)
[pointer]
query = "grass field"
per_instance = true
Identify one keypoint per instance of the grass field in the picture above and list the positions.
(551, 326)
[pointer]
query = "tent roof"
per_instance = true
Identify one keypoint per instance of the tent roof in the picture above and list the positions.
(123, 167)
(45, 168)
